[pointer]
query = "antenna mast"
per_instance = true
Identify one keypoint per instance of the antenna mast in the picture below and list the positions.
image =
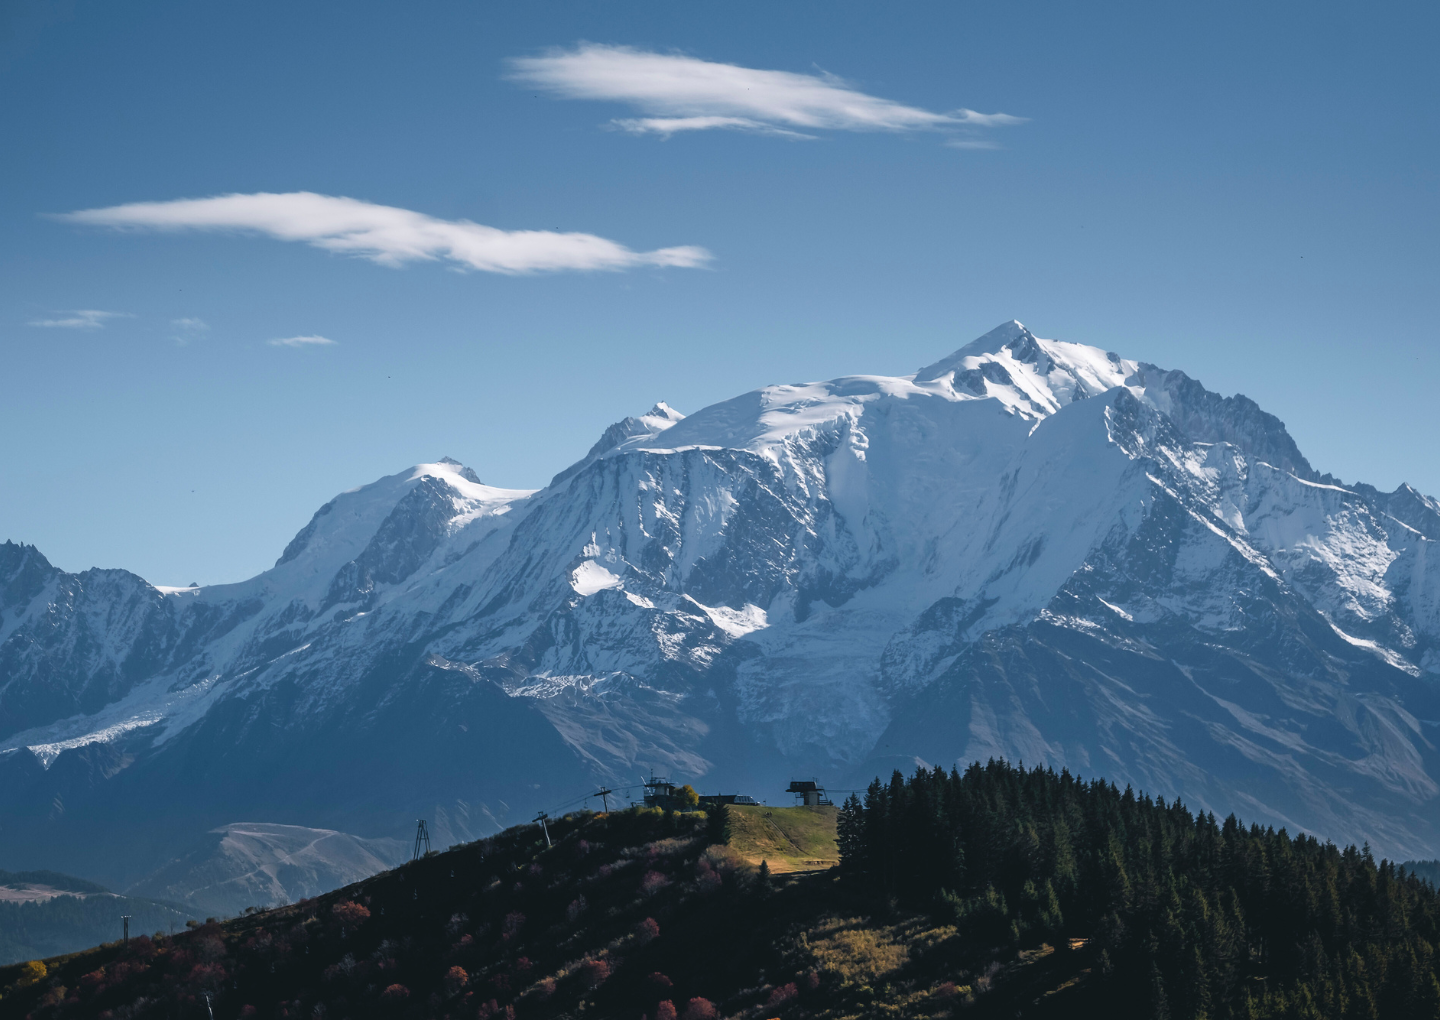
(422, 838)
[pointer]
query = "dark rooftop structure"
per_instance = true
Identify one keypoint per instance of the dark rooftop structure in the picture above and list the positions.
(808, 792)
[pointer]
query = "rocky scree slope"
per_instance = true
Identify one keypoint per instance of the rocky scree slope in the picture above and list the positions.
(1031, 548)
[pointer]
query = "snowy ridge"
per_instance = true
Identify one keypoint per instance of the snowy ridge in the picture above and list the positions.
(1030, 547)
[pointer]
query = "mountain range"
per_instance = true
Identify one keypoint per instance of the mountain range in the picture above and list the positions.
(1030, 549)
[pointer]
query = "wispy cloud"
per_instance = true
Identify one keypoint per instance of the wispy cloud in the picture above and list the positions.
(187, 330)
(303, 341)
(80, 318)
(675, 92)
(386, 234)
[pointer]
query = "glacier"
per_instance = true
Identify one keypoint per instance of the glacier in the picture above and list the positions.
(1031, 548)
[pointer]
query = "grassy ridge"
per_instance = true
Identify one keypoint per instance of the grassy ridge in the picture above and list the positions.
(787, 839)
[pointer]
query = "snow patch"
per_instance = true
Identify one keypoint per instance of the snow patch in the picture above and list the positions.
(590, 577)
(47, 753)
(1391, 657)
(736, 622)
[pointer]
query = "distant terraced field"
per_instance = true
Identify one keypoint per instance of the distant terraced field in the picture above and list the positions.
(789, 839)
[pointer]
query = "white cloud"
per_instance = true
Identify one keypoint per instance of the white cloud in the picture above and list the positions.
(303, 341)
(80, 318)
(189, 329)
(385, 234)
(680, 93)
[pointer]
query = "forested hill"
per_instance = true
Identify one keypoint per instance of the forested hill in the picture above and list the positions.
(999, 892)
(1185, 916)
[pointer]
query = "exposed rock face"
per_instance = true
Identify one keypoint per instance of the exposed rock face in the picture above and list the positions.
(1030, 548)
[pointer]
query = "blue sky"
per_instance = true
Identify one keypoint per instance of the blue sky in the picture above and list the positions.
(1245, 192)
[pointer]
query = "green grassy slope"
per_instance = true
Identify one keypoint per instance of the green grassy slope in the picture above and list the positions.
(788, 839)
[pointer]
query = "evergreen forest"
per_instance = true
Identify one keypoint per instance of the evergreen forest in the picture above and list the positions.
(1182, 915)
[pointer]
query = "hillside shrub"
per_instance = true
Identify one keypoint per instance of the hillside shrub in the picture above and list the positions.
(699, 1009)
(350, 914)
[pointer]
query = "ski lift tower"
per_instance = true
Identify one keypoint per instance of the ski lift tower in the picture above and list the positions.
(659, 792)
(808, 792)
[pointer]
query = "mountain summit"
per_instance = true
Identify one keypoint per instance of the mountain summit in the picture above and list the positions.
(1031, 549)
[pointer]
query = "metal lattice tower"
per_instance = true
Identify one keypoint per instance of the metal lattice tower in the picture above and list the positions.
(422, 838)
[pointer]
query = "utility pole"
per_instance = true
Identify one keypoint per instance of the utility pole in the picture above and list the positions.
(126, 919)
(422, 838)
(604, 794)
(543, 827)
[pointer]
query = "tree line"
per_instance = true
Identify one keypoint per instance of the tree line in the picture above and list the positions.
(1174, 915)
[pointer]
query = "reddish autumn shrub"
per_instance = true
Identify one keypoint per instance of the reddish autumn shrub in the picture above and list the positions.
(248, 1011)
(647, 931)
(455, 979)
(350, 914)
(653, 882)
(208, 949)
(487, 1010)
(523, 965)
(544, 988)
(575, 909)
(141, 947)
(208, 975)
(707, 878)
(782, 995)
(514, 921)
(659, 980)
(93, 980)
(395, 993)
(593, 973)
(665, 1011)
(699, 1009)
(946, 990)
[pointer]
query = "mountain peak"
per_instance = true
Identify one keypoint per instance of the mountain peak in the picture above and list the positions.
(651, 423)
(466, 473)
(1012, 335)
(663, 410)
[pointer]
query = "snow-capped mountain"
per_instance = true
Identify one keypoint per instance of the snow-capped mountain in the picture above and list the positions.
(1030, 548)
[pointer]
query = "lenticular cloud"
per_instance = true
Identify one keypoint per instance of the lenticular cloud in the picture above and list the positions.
(388, 235)
(680, 93)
